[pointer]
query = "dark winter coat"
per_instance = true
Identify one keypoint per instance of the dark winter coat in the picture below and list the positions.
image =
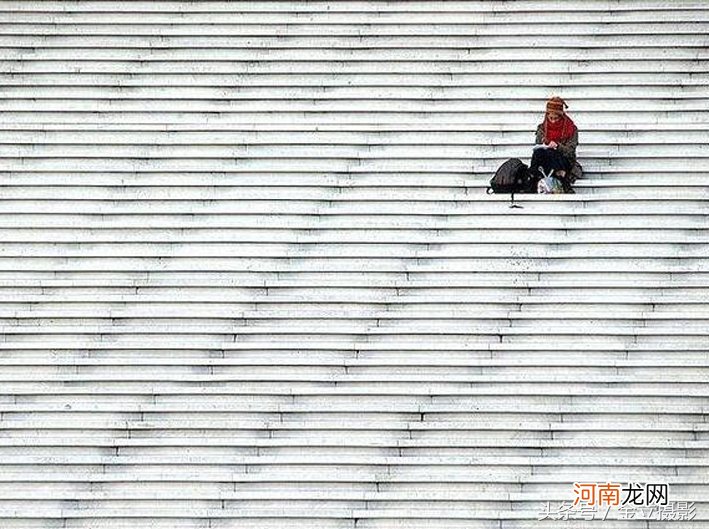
(567, 149)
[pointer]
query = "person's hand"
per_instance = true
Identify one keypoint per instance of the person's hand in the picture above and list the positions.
(553, 144)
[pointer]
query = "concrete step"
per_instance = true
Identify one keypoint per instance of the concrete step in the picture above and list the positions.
(214, 441)
(662, 234)
(333, 299)
(484, 161)
(629, 382)
(337, 113)
(664, 283)
(394, 182)
(250, 277)
(272, 329)
(402, 463)
(192, 32)
(593, 155)
(474, 204)
(506, 48)
(343, 428)
(564, 477)
(376, 132)
(610, 361)
(359, 346)
(577, 7)
(342, 92)
(510, 277)
(636, 406)
(400, 250)
(685, 68)
(144, 222)
(607, 189)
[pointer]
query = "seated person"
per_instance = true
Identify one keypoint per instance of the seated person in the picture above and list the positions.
(559, 135)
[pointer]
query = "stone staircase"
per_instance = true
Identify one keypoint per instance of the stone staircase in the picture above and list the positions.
(250, 276)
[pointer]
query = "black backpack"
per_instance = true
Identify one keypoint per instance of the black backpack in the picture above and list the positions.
(512, 177)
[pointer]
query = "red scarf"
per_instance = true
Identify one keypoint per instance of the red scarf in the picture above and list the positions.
(560, 131)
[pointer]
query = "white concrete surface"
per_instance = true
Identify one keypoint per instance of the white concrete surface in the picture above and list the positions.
(249, 276)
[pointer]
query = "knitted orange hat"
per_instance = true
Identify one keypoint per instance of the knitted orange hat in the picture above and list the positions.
(557, 105)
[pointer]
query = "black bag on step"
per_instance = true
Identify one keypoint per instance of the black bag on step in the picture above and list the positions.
(512, 177)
